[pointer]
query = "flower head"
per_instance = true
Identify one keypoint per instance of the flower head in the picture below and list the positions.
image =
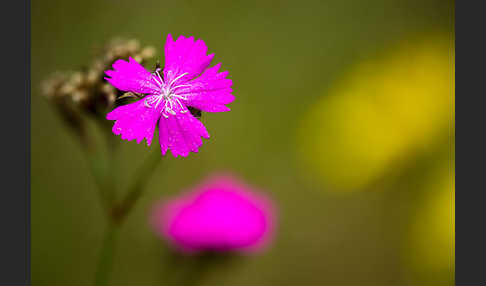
(220, 215)
(186, 81)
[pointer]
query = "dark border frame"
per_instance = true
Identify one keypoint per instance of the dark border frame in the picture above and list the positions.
(15, 116)
(470, 52)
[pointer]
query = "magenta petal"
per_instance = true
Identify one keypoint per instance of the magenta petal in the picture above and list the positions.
(134, 121)
(210, 92)
(131, 76)
(197, 126)
(163, 135)
(222, 214)
(193, 139)
(177, 142)
(181, 134)
(185, 56)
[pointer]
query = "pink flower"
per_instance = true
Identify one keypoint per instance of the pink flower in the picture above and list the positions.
(186, 81)
(222, 214)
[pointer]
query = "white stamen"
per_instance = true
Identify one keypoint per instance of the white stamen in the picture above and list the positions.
(158, 79)
(158, 82)
(167, 95)
(146, 103)
(181, 85)
(182, 106)
(158, 101)
(158, 74)
(171, 109)
(177, 78)
(179, 96)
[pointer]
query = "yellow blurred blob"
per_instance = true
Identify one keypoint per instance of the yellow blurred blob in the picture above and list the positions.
(380, 113)
(432, 246)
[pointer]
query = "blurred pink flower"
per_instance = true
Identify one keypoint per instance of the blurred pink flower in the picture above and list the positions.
(222, 214)
(185, 81)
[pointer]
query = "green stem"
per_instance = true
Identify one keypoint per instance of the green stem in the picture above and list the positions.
(196, 273)
(117, 215)
(106, 258)
(100, 173)
(195, 269)
(136, 189)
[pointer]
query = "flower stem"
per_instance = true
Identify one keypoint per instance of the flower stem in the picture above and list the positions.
(105, 261)
(102, 179)
(117, 215)
(136, 189)
(197, 268)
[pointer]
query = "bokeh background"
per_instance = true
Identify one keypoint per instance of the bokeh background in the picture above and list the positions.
(344, 115)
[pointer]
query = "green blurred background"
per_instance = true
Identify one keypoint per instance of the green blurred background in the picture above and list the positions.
(343, 115)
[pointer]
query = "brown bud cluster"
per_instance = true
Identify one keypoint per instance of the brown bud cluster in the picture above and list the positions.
(85, 91)
(87, 88)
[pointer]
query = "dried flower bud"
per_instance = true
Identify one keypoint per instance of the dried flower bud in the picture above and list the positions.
(85, 91)
(54, 85)
(147, 52)
(87, 87)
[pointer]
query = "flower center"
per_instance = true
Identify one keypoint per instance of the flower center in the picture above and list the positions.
(167, 96)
